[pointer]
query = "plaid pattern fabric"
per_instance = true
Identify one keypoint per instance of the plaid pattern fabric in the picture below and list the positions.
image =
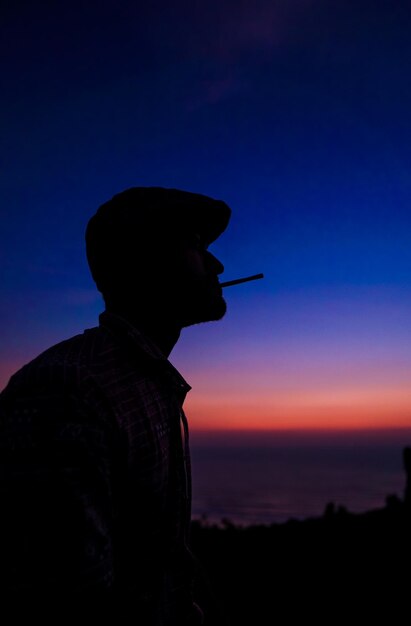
(95, 475)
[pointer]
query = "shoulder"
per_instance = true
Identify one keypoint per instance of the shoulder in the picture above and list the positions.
(57, 391)
(70, 367)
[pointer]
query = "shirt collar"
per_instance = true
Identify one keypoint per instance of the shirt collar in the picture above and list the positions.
(127, 332)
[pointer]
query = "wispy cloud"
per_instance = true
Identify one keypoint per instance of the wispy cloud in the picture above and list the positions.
(228, 39)
(251, 26)
(226, 30)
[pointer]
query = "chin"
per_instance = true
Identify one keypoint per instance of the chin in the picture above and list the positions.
(210, 311)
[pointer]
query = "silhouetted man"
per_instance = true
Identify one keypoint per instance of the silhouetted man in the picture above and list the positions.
(95, 486)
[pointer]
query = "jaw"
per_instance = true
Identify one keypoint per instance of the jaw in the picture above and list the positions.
(166, 305)
(210, 310)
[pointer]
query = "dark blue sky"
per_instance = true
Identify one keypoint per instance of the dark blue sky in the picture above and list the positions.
(296, 113)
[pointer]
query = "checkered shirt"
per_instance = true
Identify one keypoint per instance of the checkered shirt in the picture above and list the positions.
(95, 476)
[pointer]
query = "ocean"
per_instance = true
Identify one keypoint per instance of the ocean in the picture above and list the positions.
(262, 478)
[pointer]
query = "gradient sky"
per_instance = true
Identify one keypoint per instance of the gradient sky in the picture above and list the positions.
(297, 114)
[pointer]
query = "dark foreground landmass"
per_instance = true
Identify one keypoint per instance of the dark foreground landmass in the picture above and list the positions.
(342, 566)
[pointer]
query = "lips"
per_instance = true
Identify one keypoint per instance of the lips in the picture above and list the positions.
(215, 284)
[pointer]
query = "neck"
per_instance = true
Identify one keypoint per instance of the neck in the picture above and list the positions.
(162, 332)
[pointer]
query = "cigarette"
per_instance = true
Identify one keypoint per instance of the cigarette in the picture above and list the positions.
(241, 280)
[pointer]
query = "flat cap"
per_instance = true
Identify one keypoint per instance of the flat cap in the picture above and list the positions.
(141, 214)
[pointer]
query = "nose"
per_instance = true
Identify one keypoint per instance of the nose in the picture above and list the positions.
(214, 264)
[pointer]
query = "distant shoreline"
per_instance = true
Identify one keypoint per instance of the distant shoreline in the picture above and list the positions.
(392, 436)
(251, 481)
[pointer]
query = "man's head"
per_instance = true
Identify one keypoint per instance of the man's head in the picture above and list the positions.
(147, 252)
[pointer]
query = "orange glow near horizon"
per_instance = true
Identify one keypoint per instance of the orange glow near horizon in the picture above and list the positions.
(313, 400)
(350, 409)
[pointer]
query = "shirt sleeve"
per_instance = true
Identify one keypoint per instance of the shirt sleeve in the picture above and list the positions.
(56, 489)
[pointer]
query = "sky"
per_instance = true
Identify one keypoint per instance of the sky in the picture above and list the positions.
(294, 112)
